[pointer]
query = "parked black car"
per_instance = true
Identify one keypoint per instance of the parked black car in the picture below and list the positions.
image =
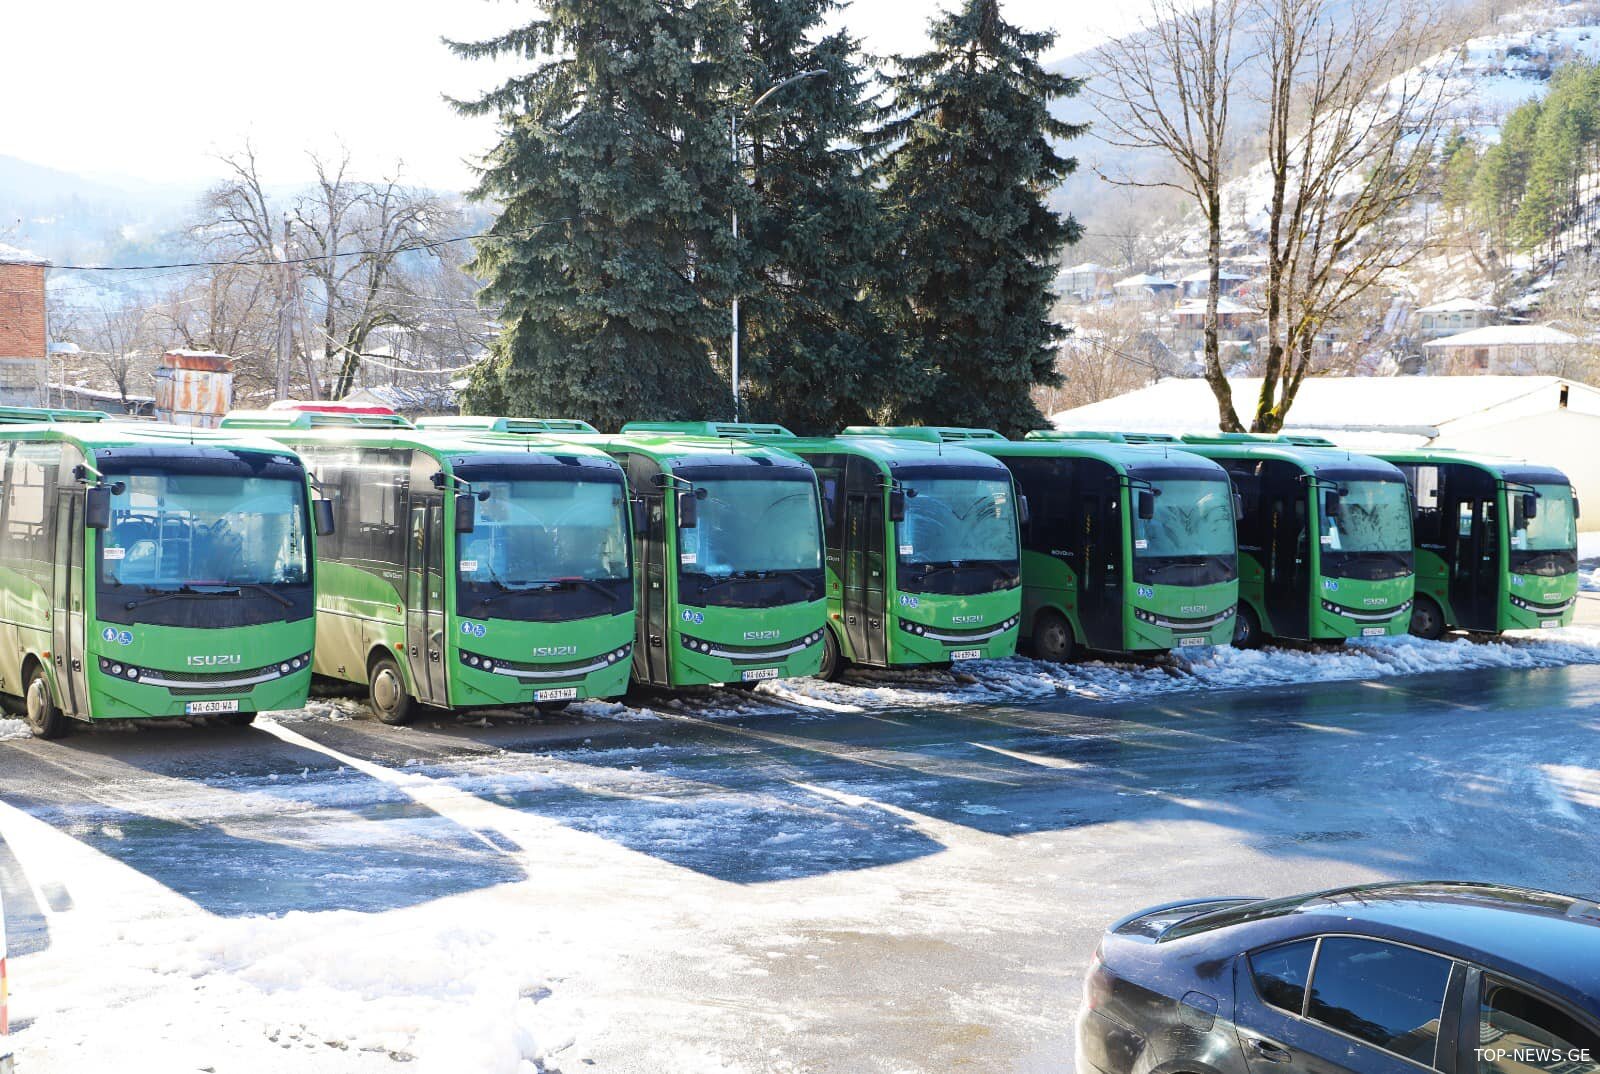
(1458, 978)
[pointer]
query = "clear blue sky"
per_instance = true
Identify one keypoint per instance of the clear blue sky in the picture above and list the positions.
(152, 90)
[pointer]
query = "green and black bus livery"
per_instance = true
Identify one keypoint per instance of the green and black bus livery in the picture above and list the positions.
(1324, 538)
(1127, 548)
(1496, 542)
(151, 571)
(921, 547)
(727, 552)
(467, 569)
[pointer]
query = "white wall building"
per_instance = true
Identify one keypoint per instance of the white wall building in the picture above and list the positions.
(1547, 420)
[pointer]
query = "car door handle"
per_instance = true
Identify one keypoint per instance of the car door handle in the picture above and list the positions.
(1265, 1049)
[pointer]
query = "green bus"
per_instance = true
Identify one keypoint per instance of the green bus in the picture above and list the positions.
(1324, 538)
(1129, 548)
(133, 558)
(1496, 542)
(727, 551)
(467, 570)
(950, 592)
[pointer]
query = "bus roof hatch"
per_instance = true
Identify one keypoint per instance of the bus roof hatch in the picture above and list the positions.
(486, 423)
(727, 430)
(16, 415)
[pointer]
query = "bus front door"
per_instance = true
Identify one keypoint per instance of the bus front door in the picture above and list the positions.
(864, 580)
(1099, 557)
(425, 640)
(650, 653)
(1287, 570)
(66, 616)
(1472, 544)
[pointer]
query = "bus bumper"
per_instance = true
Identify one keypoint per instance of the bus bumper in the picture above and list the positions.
(118, 698)
(594, 678)
(909, 648)
(1337, 621)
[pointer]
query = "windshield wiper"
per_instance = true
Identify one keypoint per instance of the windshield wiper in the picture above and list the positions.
(810, 584)
(163, 595)
(587, 583)
(259, 588)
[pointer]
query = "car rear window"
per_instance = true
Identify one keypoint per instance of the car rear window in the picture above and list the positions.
(1518, 1033)
(1281, 973)
(1382, 993)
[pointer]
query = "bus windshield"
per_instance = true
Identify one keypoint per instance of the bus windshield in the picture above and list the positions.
(757, 541)
(959, 535)
(1547, 543)
(1190, 538)
(542, 550)
(1366, 528)
(175, 530)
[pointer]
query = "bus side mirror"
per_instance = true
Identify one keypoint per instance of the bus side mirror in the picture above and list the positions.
(1238, 506)
(640, 512)
(688, 510)
(1024, 512)
(322, 516)
(97, 507)
(1331, 502)
(1576, 511)
(897, 505)
(466, 513)
(1146, 504)
(1530, 505)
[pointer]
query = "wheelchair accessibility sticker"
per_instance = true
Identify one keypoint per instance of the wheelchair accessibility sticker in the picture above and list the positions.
(477, 630)
(121, 637)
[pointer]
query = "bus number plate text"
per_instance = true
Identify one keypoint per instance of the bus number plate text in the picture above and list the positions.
(757, 674)
(966, 654)
(1373, 631)
(1186, 643)
(1549, 623)
(565, 693)
(203, 708)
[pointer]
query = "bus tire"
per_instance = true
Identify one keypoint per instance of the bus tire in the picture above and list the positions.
(44, 716)
(1427, 619)
(832, 659)
(1246, 628)
(1052, 638)
(386, 691)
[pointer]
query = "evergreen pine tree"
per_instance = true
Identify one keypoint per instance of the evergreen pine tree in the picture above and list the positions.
(612, 260)
(968, 166)
(818, 351)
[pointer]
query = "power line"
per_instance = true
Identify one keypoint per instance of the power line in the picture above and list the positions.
(271, 262)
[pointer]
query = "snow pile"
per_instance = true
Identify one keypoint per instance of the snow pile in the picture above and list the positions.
(328, 992)
(1589, 581)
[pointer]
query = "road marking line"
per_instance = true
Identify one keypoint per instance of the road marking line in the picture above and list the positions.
(1031, 758)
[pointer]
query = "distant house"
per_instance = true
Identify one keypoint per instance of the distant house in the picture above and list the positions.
(1197, 283)
(79, 397)
(1085, 281)
(1500, 348)
(24, 357)
(1191, 315)
(1143, 288)
(1454, 316)
(1549, 420)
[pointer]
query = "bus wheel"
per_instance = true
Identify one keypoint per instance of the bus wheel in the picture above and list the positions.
(1052, 638)
(386, 692)
(832, 658)
(1427, 621)
(45, 718)
(1246, 628)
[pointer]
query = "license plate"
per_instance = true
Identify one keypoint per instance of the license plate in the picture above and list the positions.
(1189, 643)
(966, 654)
(1549, 623)
(566, 693)
(1374, 631)
(757, 674)
(203, 708)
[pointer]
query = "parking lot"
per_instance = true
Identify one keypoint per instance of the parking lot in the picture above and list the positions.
(894, 890)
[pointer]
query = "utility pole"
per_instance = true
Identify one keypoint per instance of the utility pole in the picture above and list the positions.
(733, 145)
(285, 313)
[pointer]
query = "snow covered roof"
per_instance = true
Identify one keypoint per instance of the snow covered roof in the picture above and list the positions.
(1204, 276)
(1143, 279)
(15, 255)
(1224, 305)
(1508, 335)
(1417, 406)
(1084, 267)
(1460, 305)
(404, 399)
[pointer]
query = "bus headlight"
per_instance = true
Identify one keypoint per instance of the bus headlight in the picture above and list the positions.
(913, 628)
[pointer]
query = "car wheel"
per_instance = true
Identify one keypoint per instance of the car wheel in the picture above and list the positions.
(44, 716)
(833, 660)
(1246, 628)
(1052, 638)
(386, 692)
(1427, 620)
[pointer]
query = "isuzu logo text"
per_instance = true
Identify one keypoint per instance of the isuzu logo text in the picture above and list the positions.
(555, 650)
(228, 660)
(760, 635)
(966, 619)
